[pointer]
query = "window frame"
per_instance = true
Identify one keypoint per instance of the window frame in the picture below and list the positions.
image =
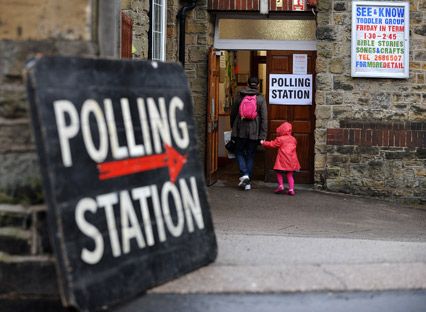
(161, 6)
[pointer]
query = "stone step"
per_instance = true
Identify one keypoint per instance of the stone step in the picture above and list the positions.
(26, 276)
(14, 216)
(23, 230)
(15, 241)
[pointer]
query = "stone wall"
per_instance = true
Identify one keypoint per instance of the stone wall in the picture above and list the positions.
(138, 10)
(67, 31)
(28, 28)
(197, 30)
(44, 19)
(27, 267)
(370, 133)
(172, 41)
(196, 65)
(19, 173)
(23, 39)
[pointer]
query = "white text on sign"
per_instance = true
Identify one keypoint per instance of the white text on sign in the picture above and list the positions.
(183, 198)
(166, 209)
(164, 127)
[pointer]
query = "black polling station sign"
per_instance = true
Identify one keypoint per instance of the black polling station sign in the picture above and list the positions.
(127, 203)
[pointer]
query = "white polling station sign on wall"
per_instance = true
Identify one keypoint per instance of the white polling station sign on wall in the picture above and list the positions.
(290, 89)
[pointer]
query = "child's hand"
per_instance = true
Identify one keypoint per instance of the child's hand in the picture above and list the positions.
(262, 141)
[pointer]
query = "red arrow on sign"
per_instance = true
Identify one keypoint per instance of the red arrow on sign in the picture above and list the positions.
(171, 159)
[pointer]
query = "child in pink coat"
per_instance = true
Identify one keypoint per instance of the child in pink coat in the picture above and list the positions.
(286, 160)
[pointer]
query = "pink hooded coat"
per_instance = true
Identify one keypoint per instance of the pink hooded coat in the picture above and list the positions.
(286, 143)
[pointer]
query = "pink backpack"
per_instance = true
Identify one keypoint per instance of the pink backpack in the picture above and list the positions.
(248, 107)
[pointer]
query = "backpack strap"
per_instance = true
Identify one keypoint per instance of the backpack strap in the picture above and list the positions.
(258, 103)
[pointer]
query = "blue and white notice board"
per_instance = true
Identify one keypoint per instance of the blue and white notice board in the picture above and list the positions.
(380, 39)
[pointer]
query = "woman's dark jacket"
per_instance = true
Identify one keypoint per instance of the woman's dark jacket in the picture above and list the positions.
(255, 129)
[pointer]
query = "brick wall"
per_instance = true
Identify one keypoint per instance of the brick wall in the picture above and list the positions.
(246, 5)
(382, 134)
(252, 5)
(370, 133)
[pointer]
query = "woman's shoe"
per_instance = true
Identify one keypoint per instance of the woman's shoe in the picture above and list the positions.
(244, 180)
(291, 193)
(279, 189)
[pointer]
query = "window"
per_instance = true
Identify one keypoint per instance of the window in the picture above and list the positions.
(158, 44)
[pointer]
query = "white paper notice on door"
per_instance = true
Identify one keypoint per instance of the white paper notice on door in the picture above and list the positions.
(290, 89)
(300, 64)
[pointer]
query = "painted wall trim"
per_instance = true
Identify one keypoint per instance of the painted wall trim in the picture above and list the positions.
(235, 44)
(262, 44)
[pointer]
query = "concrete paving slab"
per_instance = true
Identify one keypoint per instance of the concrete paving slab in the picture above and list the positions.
(255, 249)
(299, 278)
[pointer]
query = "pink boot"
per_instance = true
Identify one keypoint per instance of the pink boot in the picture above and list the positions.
(291, 192)
(280, 181)
(279, 189)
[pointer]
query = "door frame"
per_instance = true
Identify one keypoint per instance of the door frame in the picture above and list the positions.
(212, 121)
(212, 115)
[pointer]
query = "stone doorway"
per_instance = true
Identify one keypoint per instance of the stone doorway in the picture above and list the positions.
(234, 68)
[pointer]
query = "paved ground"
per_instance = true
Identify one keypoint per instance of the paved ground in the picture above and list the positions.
(310, 242)
(390, 301)
(311, 252)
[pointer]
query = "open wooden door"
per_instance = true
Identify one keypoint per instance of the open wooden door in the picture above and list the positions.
(212, 118)
(302, 117)
(126, 36)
